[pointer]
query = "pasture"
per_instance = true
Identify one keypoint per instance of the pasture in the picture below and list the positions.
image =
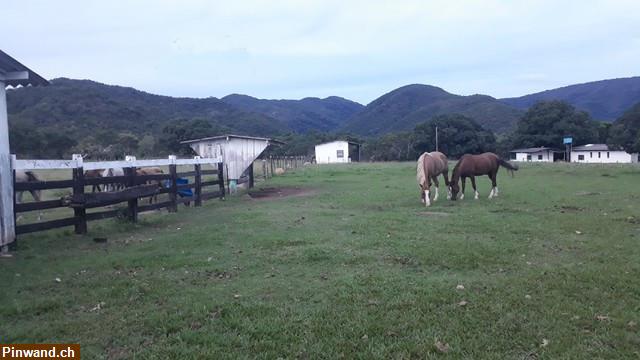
(351, 266)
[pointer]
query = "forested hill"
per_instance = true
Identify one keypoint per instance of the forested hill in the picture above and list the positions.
(326, 114)
(604, 100)
(405, 107)
(81, 107)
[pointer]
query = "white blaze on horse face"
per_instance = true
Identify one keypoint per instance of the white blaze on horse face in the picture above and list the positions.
(427, 201)
(448, 192)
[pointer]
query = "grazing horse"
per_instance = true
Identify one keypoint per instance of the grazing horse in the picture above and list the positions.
(113, 172)
(470, 166)
(24, 177)
(430, 166)
(151, 171)
(94, 174)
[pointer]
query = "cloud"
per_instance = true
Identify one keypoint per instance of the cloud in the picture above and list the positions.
(357, 49)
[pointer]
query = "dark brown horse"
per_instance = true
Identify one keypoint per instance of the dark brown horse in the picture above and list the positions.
(470, 166)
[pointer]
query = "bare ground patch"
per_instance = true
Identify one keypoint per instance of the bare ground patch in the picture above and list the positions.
(271, 193)
(433, 213)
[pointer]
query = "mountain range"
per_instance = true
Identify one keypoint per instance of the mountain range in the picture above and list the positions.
(82, 106)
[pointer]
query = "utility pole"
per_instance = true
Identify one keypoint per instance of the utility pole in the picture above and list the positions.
(436, 137)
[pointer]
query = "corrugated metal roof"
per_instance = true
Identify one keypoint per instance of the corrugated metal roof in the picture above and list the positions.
(592, 147)
(231, 136)
(9, 65)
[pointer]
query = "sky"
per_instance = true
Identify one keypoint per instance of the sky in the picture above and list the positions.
(355, 49)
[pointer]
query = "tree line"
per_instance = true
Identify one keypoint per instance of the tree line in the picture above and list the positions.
(544, 124)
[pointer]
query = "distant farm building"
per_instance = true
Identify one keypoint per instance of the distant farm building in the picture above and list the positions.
(335, 152)
(600, 154)
(536, 154)
(237, 152)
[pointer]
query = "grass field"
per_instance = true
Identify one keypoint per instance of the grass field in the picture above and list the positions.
(355, 267)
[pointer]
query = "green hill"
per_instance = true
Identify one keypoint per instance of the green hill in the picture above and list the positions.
(81, 107)
(604, 100)
(405, 107)
(326, 114)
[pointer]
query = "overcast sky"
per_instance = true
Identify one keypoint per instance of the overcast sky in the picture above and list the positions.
(355, 49)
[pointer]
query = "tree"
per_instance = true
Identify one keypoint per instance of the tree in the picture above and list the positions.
(457, 135)
(547, 122)
(625, 131)
(181, 130)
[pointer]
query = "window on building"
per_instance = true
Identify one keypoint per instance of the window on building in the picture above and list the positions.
(512, 156)
(598, 154)
(539, 157)
(580, 157)
(607, 154)
(528, 157)
(591, 154)
(340, 154)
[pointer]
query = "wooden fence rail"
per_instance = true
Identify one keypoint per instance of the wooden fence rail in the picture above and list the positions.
(136, 187)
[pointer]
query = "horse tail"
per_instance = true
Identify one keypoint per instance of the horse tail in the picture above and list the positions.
(509, 166)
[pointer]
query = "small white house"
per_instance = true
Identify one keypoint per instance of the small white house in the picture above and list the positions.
(536, 154)
(601, 154)
(337, 152)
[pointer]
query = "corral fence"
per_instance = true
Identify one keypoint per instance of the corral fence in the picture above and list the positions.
(265, 168)
(133, 188)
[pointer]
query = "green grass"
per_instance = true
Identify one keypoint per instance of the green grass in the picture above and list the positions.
(358, 269)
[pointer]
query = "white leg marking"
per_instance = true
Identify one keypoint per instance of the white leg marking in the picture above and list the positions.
(427, 201)
(461, 196)
(448, 193)
(435, 197)
(495, 193)
(491, 194)
(476, 195)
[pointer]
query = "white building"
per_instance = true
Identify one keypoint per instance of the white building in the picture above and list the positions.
(600, 153)
(537, 154)
(337, 152)
(237, 152)
(12, 73)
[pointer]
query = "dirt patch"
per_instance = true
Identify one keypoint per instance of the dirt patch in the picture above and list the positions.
(567, 208)
(277, 193)
(433, 213)
(587, 193)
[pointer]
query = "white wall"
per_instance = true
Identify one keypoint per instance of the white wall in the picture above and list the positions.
(237, 153)
(328, 153)
(591, 157)
(547, 156)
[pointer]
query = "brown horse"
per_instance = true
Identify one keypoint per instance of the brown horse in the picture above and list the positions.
(94, 174)
(429, 167)
(470, 166)
(23, 177)
(151, 171)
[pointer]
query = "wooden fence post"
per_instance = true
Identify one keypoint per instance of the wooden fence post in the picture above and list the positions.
(198, 188)
(271, 164)
(251, 180)
(14, 245)
(221, 179)
(264, 169)
(130, 173)
(78, 189)
(173, 194)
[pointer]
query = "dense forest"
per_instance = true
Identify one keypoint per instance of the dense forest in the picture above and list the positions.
(108, 122)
